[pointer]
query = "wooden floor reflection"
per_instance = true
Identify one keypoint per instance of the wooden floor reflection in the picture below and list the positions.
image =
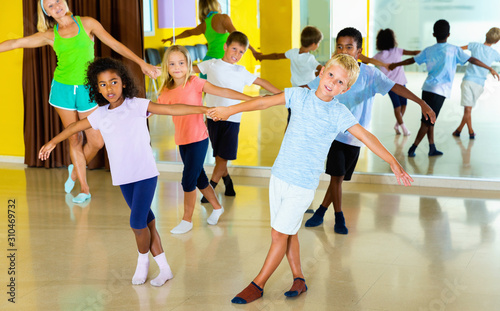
(407, 249)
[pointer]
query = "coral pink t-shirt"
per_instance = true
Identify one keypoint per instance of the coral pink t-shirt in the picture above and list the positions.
(191, 128)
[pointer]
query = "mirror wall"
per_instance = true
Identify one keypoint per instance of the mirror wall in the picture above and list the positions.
(261, 132)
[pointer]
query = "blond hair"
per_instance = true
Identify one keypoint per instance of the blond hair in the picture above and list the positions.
(205, 7)
(493, 35)
(166, 79)
(45, 22)
(348, 63)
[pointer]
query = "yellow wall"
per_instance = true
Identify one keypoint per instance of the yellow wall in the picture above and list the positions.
(278, 37)
(243, 14)
(11, 106)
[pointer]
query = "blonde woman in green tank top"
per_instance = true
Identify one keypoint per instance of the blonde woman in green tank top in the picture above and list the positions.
(72, 38)
(215, 26)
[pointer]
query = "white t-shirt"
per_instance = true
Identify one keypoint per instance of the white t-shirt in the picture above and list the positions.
(127, 140)
(230, 76)
(302, 66)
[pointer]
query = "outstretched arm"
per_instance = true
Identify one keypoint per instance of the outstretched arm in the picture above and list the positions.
(408, 52)
(376, 147)
(406, 93)
(376, 62)
(272, 56)
(479, 63)
(34, 41)
(72, 129)
(267, 85)
(259, 103)
(406, 62)
(209, 88)
(198, 30)
(96, 28)
(175, 109)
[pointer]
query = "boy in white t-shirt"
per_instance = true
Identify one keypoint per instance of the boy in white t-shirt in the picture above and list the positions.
(303, 65)
(224, 135)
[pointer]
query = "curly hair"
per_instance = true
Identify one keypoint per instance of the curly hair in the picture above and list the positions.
(100, 65)
(386, 39)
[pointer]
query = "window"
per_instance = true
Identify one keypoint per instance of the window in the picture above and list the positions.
(149, 22)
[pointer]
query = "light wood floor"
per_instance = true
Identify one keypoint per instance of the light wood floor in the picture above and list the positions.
(407, 249)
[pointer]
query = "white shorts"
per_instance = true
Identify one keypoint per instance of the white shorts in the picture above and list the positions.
(288, 203)
(470, 93)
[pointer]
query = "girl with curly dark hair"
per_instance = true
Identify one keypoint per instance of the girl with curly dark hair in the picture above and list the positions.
(390, 53)
(121, 118)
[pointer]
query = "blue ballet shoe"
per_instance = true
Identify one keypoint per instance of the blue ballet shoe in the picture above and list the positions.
(80, 198)
(69, 184)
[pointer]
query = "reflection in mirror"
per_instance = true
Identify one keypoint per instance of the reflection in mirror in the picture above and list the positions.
(261, 132)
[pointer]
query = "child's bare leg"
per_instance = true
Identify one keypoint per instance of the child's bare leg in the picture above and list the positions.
(432, 147)
(159, 256)
(293, 256)
(274, 257)
(209, 194)
(398, 115)
(220, 169)
(155, 243)
(430, 134)
(422, 131)
(468, 119)
(403, 110)
(186, 223)
(189, 202)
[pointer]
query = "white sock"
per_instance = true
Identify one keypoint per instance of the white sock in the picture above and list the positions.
(214, 217)
(141, 271)
(165, 272)
(406, 132)
(183, 227)
(396, 128)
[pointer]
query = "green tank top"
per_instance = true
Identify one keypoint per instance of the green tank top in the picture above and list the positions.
(215, 40)
(73, 55)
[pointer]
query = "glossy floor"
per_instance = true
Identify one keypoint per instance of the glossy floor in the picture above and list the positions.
(261, 134)
(407, 249)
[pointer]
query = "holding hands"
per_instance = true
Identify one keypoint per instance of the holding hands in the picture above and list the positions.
(218, 113)
(151, 71)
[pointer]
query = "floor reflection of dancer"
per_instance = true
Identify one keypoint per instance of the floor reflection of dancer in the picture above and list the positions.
(72, 38)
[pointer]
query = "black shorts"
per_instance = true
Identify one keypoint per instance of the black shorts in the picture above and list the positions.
(434, 101)
(224, 138)
(342, 160)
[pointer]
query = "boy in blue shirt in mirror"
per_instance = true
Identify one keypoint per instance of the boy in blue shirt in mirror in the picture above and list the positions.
(441, 60)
